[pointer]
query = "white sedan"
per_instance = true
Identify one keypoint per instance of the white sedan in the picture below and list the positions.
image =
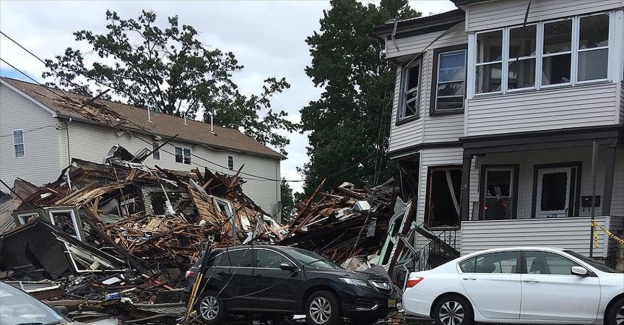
(519, 285)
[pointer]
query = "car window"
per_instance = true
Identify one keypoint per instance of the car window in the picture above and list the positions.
(598, 265)
(500, 262)
(269, 259)
(548, 263)
(237, 257)
(18, 307)
(310, 259)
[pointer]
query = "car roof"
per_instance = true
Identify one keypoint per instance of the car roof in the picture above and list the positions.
(515, 248)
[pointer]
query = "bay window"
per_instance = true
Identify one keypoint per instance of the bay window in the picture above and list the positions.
(566, 51)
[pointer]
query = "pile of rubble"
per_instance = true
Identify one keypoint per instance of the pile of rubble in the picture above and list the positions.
(118, 232)
(346, 225)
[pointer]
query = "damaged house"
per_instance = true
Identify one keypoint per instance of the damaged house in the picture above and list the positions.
(42, 130)
(508, 122)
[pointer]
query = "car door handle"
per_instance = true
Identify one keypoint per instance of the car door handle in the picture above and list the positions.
(222, 273)
(473, 279)
(258, 275)
(531, 281)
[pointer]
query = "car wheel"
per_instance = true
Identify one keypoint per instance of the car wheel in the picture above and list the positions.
(616, 313)
(453, 310)
(209, 309)
(322, 308)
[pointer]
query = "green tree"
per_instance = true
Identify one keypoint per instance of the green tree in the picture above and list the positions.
(170, 70)
(349, 124)
(288, 202)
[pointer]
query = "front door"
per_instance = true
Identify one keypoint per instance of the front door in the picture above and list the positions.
(555, 192)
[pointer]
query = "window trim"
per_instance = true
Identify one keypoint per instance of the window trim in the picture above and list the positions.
(401, 107)
(574, 52)
(73, 216)
(175, 156)
(434, 79)
(23, 144)
(572, 205)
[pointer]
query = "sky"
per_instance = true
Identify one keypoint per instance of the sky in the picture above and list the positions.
(267, 37)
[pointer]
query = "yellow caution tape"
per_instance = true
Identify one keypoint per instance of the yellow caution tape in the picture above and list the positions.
(606, 231)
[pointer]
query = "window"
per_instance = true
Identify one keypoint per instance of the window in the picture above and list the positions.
(450, 80)
(567, 51)
(18, 143)
(230, 163)
(183, 155)
(443, 196)
(548, 263)
(237, 258)
(556, 190)
(410, 90)
(156, 151)
(489, 69)
(269, 259)
(66, 220)
(501, 262)
(498, 192)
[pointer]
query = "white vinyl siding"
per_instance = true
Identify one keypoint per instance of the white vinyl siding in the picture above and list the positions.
(439, 128)
(496, 14)
(41, 163)
(546, 109)
(568, 233)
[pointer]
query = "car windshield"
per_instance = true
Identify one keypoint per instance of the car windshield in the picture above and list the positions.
(311, 259)
(593, 263)
(18, 307)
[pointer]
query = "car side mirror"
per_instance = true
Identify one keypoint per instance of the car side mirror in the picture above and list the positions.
(580, 271)
(287, 267)
(63, 310)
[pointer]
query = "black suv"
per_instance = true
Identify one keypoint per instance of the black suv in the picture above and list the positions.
(278, 280)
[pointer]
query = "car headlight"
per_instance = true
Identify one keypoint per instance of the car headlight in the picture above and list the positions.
(355, 282)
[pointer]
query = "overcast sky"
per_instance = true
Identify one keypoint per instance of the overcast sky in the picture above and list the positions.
(267, 37)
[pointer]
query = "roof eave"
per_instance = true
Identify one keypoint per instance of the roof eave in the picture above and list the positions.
(430, 22)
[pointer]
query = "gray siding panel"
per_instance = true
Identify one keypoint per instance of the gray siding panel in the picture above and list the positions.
(496, 14)
(546, 109)
(41, 162)
(569, 233)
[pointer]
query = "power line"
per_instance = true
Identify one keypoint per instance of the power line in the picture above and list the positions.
(30, 130)
(29, 77)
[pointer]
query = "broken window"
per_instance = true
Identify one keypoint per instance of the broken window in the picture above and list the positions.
(498, 193)
(557, 57)
(410, 83)
(183, 155)
(522, 54)
(67, 221)
(443, 196)
(593, 56)
(25, 218)
(155, 151)
(489, 61)
(18, 143)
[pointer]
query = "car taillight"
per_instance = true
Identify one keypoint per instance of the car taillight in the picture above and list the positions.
(414, 280)
(189, 274)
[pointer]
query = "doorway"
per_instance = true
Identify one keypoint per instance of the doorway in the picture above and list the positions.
(556, 190)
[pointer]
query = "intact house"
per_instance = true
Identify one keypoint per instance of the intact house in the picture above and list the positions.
(497, 108)
(42, 129)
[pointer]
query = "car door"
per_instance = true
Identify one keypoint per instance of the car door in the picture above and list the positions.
(235, 267)
(275, 289)
(493, 283)
(551, 292)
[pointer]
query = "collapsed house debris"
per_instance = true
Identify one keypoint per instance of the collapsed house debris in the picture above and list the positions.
(363, 228)
(122, 227)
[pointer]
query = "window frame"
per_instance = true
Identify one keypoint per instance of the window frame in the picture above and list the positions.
(515, 169)
(574, 204)
(429, 214)
(434, 79)
(507, 60)
(22, 144)
(73, 216)
(190, 154)
(401, 109)
(540, 56)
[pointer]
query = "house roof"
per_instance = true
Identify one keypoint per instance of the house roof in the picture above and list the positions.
(121, 116)
(422, 25)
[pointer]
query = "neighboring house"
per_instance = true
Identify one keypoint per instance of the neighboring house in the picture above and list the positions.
(495, 118)
(42, 129)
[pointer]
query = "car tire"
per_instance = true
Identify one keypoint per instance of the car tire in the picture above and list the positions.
(322, 308)
(616, 313)
(453, 310)
(210, 310)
